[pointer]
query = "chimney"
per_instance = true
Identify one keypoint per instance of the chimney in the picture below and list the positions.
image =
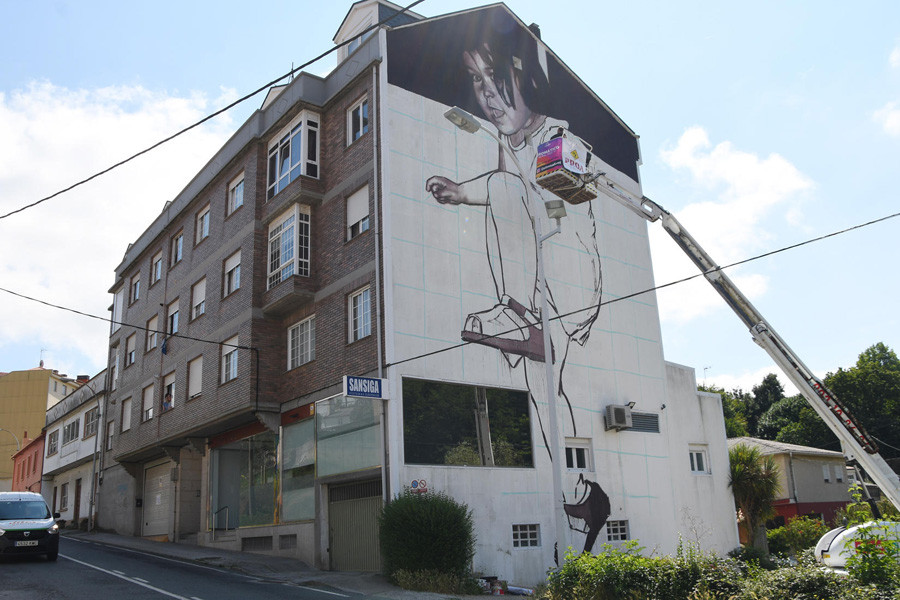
(83, 378)
(536, 30)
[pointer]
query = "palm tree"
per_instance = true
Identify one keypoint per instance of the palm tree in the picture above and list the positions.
(754, 483)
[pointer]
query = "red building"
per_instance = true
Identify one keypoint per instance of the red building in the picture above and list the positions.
(28, 465)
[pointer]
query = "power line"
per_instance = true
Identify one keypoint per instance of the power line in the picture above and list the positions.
(208, 117)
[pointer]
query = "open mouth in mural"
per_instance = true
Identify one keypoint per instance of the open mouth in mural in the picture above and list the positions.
(509, 327)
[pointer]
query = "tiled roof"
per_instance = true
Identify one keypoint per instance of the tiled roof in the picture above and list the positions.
(773, 447)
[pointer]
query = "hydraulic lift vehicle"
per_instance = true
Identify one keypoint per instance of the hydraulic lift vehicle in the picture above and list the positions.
(564, 168)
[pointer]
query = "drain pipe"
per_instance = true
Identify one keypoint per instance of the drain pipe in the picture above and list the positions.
(376, 131)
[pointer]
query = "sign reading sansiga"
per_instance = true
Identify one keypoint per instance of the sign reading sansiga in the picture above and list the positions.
(365, 387)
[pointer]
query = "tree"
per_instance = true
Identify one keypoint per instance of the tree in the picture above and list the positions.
(754, 482)
(733, 409)
(793, 420)
(764, 396)
(871, 390)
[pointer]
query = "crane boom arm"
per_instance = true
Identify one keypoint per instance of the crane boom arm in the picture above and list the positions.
(583, 182)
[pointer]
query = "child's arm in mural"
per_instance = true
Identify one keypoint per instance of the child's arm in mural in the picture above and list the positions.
(445, 191)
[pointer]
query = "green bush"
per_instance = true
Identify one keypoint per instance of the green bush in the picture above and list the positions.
(436, 581)
(797, 535)
(426, 532)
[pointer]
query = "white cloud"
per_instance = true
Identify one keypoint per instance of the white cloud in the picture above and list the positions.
(739, 192)
(65, 250)
(746, 380)
(888, 116)
(895, 57)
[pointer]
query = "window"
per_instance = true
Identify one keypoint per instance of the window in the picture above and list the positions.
(289, 245)
(526, 536)
(64, 497)
(156, 268)
(229, 359)
(839, 473)
(126, 414)
(699, 459)
(202, 224)
(358, 213)
(232, 273)
(826, 473)
(114, 374)
(152, 332)
(195, 377)
(135, 288)
(117, 307)
(147, 403)
(617, 531)
(292, 154)
(91, 421)
(302, 343)
(198, 298)
(110, 430)
(176, 255)
(53, 443)
(168, 392)
(298, 471)
(451, 436)
(70, 431)
(360, 315)
(172, 318)
(235, 194)
(357, 120)
(578, 454)
(129, 349)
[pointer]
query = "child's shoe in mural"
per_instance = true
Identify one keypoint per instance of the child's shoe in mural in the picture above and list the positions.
(509, 327)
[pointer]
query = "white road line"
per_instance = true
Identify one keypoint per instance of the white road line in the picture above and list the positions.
(312, 589)
(196, 598)
(118, 572)
(128, 579)
(140, 580)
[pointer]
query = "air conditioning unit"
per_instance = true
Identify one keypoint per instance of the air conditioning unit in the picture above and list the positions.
(618, 417)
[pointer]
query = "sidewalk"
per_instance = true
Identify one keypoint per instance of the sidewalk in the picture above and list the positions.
(270, 568)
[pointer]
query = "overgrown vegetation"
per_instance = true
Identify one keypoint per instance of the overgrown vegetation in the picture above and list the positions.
(799, 534)
(427, 543)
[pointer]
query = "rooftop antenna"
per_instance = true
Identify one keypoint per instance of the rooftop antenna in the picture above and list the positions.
(42, 357)
(705, 369)
(292, 70)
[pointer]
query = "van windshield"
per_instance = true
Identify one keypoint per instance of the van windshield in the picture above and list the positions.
(27, 509)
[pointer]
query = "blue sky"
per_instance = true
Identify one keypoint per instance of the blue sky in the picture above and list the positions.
(761, 126)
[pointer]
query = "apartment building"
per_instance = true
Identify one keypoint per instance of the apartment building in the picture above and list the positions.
(349, 229)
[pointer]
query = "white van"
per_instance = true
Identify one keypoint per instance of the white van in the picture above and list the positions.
(26, 525)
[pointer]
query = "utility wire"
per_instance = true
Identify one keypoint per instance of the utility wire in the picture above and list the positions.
(208, 117)
(462, 344)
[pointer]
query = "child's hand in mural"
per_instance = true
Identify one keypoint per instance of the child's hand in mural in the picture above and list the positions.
(444, 190)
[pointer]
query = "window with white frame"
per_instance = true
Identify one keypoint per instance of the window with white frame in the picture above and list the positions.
(699, 458)
(135, 288)
(172, 318)
(202, 225)
(527, 535)
(195, 377)
(126, 414)
(70, 431)
(152, 332)
(229, 359)
(168, 392)
(64, 496)
(198, 298)
(235, 194)
(289, 245)
(117, 307)
(294, 152)
(147, 403)
(177, 249)
(130, 342)
(156, 268)
(302, 343)
(110, 430)
(617, 531)
(357, 120)
(114, 371)
(53, 443)
(232, 280)
(358, 212)
(578, 454)
(91, 421)
(360, 321)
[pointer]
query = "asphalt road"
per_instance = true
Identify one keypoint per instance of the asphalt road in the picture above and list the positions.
(90, 570)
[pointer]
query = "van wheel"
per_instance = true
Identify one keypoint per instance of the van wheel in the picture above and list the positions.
(52, 556)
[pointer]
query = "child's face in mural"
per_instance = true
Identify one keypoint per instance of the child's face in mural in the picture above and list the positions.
(504, 107)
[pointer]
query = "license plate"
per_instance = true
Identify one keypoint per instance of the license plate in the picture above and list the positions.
(27, 543)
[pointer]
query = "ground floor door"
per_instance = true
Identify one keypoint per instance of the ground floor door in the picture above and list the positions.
(157, 502)
(76, 514)
(353, 511)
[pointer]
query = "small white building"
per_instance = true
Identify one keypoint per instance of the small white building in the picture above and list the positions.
(71, 450)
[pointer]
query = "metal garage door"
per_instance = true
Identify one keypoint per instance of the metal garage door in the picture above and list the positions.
(353, 525)
(157, 499)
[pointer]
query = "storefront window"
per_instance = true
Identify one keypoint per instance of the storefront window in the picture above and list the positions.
(348, 435)
(245, 476)
(298, 472)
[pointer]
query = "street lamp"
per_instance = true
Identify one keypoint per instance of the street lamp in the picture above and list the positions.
(18, 445)
(556, 209)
